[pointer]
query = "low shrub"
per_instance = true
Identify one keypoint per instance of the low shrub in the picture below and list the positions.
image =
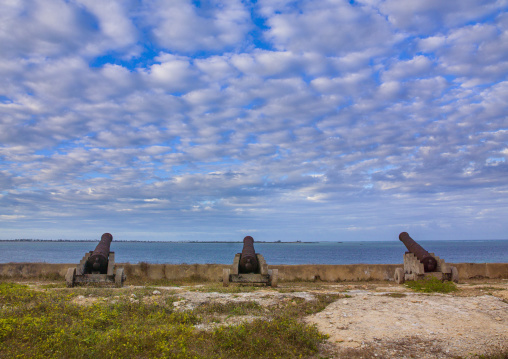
(431, 285)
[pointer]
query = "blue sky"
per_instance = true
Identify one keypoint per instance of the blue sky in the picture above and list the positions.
(283, 120)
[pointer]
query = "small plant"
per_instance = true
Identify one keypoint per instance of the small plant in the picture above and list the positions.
(299, 307)
(50, 276)
(219, 288)
(53, 285)
(490, 289)
(282, 337)
(501, 355)
(395, 295)
(431, 285)
(231, 308)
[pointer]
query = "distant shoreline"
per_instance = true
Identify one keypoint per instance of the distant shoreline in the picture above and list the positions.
(275, 242)
(137, 241)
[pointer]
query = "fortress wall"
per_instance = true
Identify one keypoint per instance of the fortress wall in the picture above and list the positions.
(213, 272)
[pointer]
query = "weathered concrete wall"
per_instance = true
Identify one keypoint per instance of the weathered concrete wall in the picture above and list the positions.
(28, 270)
(482, 270)
(213, 272)
(207, 272)
(335, 273)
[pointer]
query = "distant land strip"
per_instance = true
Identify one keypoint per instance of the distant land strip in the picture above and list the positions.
(138, 241)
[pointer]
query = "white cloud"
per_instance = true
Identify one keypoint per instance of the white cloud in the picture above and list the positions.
(328, 27)
(424, 16)
(44, 28)
(117, 29)
(476, 54)
(183, 27)
(329, 116)
(173, 74)
(216, 68)
(419, 66)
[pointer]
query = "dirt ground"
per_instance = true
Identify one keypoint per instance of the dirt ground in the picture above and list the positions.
(393, 321)
(377, 319)
(390, 320)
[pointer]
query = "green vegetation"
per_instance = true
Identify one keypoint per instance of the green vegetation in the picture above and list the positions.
(490, 289)
(395, 295)
(230, 308)
(132, 323)
(219, 288)
(431, 285)
(501, 355)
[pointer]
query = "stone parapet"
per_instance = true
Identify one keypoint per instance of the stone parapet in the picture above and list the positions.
(213, 272)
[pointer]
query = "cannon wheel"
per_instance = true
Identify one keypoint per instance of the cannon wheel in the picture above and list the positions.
(225, 277)
(274, 277)
(399, 275)
(70, 276)
(119, 277)
(455, 274)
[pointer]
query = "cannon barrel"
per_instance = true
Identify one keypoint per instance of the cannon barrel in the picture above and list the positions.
(429, 262)
(248, 260)
(98, 261)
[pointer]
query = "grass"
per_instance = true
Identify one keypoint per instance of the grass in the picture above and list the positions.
(431, 285)
(215, 312)
(489, 289)
(48, 322)
(219, 288)
(501, 355)
(395, 295)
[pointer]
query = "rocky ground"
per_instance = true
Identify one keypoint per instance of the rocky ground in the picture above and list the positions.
(395, 322)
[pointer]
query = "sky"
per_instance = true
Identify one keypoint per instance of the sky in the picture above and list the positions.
(325, 120)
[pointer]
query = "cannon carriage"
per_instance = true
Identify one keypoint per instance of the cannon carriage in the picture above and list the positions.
(419, 264)
(97, 266)
(249, 267)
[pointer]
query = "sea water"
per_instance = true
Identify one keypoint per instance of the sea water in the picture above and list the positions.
(388, 252)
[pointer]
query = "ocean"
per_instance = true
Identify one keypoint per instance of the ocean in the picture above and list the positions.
(388, 252)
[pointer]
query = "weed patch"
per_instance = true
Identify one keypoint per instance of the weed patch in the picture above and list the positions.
(283, 337)
(395, 295)
(219, 288)
(230, 308)
(18, 294)
(431, 285)
(490, 289)
(298, 307)
(501, 355)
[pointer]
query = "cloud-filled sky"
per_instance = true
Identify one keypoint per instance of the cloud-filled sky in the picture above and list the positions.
(327, 120)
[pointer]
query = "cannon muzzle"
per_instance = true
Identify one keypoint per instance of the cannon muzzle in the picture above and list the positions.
(248, 260)
(98, 261)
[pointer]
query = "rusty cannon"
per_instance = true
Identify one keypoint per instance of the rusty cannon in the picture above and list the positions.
(249, 267)
(428, 261)
(97, 266)
(418, 264)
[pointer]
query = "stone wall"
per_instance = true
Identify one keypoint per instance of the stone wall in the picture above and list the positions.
(213, 272)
